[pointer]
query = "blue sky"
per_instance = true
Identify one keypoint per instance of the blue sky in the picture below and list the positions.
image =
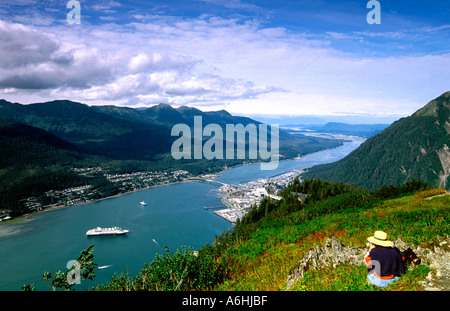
(268, 58)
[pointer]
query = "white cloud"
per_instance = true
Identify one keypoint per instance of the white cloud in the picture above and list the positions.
(90, 69)
(105, 5)
(232, 4)
(8, 3)
(211, 61)
(22, 46)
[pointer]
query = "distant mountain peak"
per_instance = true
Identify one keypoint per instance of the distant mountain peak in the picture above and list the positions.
(162, 106)
(414, 147)
(219, 113)
(188, 108)
(224, 112)
(61, 102)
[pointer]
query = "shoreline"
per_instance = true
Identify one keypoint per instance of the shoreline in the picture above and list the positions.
(23, 218)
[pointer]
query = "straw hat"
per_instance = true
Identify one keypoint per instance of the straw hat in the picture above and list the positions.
(380, 238)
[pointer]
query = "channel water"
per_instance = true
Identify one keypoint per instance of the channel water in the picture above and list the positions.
(174, 217)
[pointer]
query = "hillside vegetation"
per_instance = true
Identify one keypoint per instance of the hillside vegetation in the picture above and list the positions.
(416, 147)
(265, 245)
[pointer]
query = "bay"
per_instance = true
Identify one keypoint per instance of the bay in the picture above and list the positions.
(174, 216)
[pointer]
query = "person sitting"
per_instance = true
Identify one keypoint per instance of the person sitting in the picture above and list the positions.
(384, 263)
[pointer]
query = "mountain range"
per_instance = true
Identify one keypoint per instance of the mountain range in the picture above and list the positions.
(41, 143)
(361, 130)
(131, 134)
(412, 148)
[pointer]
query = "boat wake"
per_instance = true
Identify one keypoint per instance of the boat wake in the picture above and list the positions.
(156, 242)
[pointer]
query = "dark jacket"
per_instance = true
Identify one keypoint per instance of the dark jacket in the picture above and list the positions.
(385, 262)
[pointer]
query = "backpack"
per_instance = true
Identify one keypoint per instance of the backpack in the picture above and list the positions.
(409, 258)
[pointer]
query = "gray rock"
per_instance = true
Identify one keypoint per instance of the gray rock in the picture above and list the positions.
(333, 253)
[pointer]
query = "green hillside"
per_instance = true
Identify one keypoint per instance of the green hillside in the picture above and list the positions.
(266, 245)
(123, 133)
(33, 161)
(92, 130)
(415, 147)
(263, 257)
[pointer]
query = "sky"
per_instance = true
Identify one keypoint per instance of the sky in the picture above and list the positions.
(264, 58)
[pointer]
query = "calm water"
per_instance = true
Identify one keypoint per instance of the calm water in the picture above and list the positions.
(174, 216)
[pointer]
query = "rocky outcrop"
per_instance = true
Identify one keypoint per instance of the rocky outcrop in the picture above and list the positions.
(439, 260)
(444, 157)
(334, 252)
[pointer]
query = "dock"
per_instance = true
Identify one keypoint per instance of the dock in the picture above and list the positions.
(229, 214)
(212, 207)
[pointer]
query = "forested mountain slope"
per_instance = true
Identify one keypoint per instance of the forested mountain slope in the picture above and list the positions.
(415, 147)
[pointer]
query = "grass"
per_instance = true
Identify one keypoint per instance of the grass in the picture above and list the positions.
(353, 278)
(263, 261)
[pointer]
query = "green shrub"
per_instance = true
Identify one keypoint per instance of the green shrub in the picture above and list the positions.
(182, 270)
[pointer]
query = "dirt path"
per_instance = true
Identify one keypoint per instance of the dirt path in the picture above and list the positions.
(439, 195)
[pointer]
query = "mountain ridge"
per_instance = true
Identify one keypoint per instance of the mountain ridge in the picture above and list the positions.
(144, 134)
(42, 143)
(414, 147)
(361, 130)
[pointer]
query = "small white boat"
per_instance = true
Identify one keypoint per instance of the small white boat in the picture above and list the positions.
(106, 231)
(143, 203)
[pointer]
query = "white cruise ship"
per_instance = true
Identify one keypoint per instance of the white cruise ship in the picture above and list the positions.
(106, 231)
